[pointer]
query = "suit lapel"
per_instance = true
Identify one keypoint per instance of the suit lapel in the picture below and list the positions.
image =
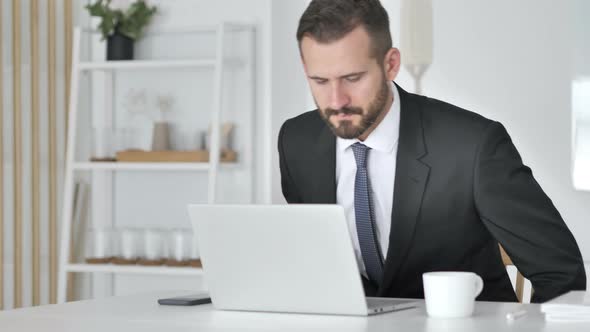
(323, 168)
(411, 176)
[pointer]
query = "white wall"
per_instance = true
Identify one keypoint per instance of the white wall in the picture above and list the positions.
(581, 10)
(289, 87)
(581, 96)
(504, 59)
(509, 61)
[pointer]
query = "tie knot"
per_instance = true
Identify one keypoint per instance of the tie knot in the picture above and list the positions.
(360, 154)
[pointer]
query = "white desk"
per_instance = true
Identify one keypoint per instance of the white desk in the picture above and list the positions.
(142, 313)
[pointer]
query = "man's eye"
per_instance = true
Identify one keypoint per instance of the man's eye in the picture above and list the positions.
(354, 78)
(321, 82)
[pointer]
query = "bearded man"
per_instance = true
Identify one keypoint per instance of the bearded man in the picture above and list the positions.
(426, 186)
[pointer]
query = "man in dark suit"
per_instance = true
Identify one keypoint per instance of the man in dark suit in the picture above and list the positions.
(426, 186)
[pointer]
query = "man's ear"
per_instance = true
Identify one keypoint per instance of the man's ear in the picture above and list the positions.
(392, 63)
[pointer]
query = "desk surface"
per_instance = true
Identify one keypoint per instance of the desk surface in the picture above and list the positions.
(142, 313)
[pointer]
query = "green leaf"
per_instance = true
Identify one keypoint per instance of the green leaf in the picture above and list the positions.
(137, 16)
(96, 9)
(129, 23)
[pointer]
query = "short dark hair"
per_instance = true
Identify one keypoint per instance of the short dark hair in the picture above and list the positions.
(329, 20)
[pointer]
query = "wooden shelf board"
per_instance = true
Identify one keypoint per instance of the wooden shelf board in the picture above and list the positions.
(134, 269)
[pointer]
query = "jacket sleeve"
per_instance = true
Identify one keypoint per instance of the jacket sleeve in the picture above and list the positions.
(523, 219)
(287, 184)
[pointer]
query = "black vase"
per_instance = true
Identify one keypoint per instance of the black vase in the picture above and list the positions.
(119, 47)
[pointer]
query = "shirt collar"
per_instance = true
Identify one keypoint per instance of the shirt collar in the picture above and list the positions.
(385, 135)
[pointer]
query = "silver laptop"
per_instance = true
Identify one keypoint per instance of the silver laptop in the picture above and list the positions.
(283, 258)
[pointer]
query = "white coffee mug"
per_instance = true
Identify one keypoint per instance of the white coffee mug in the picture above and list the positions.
(451, 294)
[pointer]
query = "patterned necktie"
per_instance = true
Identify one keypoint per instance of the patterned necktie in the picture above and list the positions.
(365, 217)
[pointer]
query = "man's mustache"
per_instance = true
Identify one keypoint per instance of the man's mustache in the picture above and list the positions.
(345, 110)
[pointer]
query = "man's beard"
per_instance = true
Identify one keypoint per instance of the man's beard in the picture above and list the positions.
(345, 129)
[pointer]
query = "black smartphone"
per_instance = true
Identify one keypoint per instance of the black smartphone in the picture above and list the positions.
(185, 300)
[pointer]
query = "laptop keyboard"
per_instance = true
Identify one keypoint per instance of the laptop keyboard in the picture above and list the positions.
(377, 302)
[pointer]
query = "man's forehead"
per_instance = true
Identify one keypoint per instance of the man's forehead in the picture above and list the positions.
(357, 40)
(348, 54)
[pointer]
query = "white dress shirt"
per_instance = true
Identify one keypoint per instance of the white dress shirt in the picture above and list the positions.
(381, 165)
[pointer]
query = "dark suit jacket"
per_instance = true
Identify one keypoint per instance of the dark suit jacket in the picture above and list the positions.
(460, 189)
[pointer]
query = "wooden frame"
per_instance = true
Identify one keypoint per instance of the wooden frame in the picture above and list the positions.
(35, 158)
(68, 27)
(17, 10)
(17, 153)
(68, 31)
(519, 277)
(52, 153)
(227, 156)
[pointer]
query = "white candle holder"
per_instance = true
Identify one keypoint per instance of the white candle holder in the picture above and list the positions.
(128, 248)
(153, 247)
(99, 246)
(179, 247)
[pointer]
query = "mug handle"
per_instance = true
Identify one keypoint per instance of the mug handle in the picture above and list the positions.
(478, 285)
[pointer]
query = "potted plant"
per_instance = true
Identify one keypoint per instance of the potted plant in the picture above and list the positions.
(121, 26)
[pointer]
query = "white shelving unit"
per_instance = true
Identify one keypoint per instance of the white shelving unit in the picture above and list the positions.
(148, 64)
(134, 269)
(99, 169)
(123, 166)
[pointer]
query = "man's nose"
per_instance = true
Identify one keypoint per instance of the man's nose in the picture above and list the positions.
(339, 97)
